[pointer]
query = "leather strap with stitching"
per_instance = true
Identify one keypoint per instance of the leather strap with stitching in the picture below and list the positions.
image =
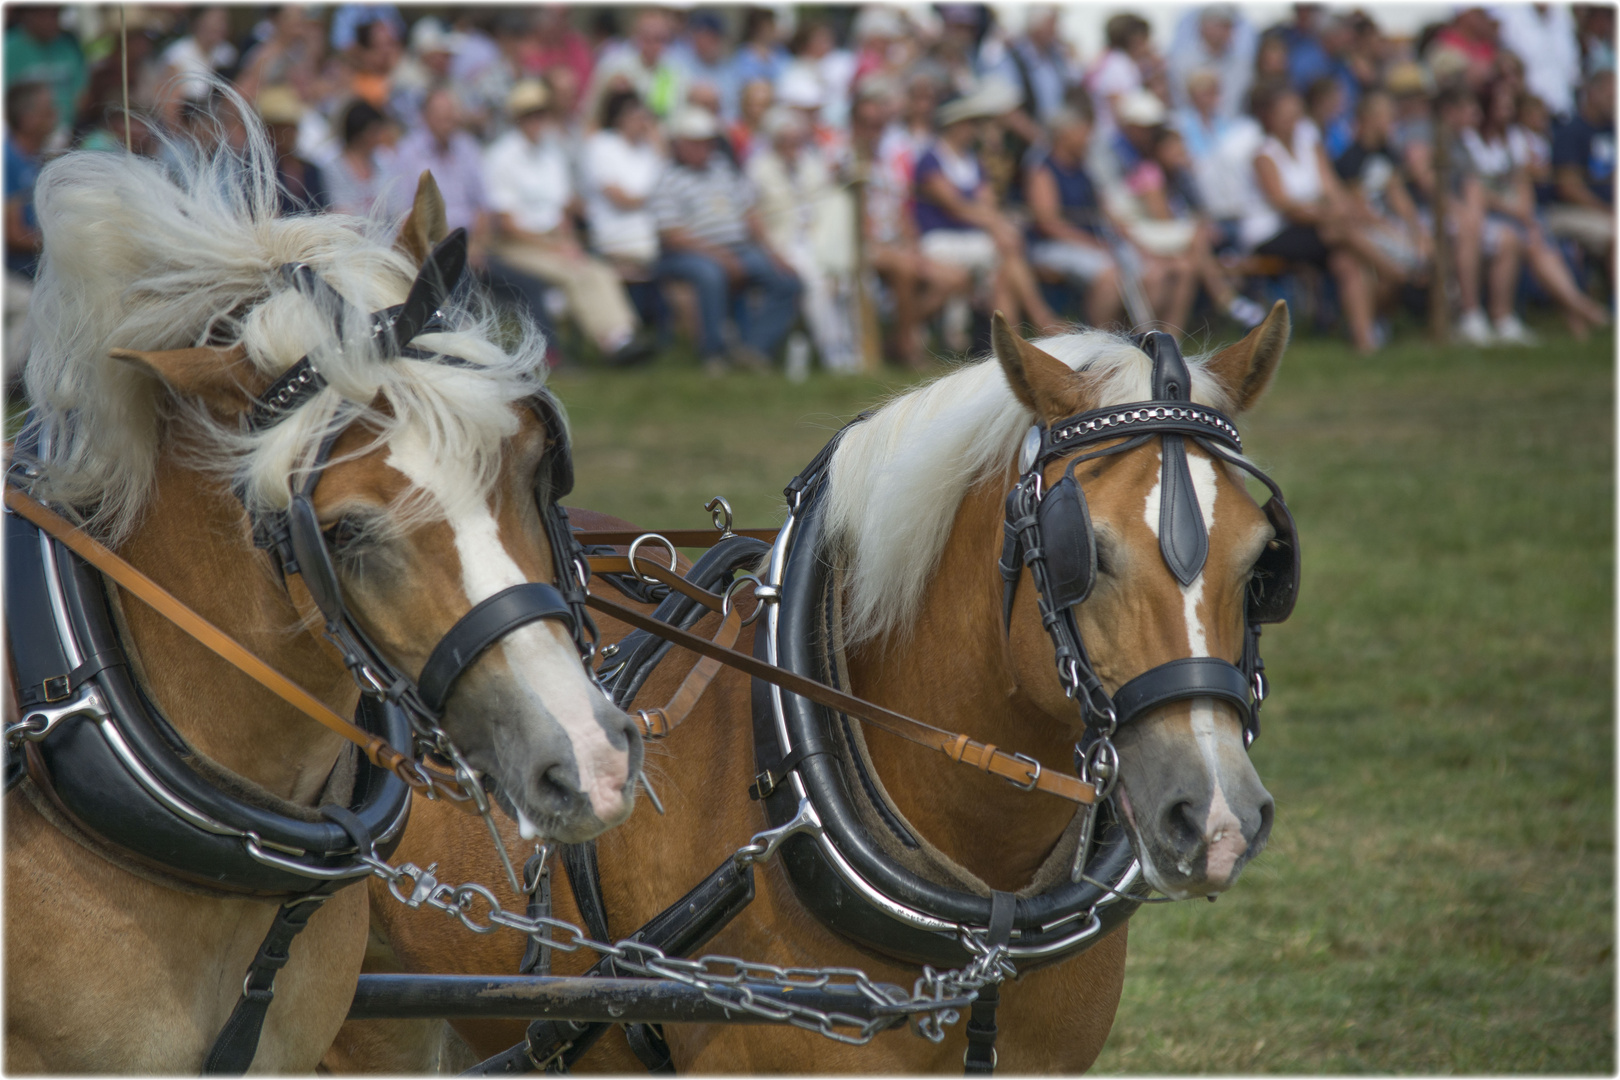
(660, 721)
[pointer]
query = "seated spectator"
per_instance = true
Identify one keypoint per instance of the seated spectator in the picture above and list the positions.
(372, 61)
(1221, 48)
(531, 197)
(191, 61)
(1324, 104)
(712, 238)
(354, 179)
(1066, 229)
(1383, 205)
(1300, 213)
(1543, 37)
(920, 285)
(38, 49)
(300, 185)
(1040, 64)
(795, 192)
(1510, 204)
(424, 66)
(815, 46)
(31, 118)
(705, 59)
(754, 101)
(1530, 142)
(641, 64)
(761, 54)
(1221, 149)
(440, 145)
(1118, 71)
(957, 217)
(1583, 154)
(621, 167)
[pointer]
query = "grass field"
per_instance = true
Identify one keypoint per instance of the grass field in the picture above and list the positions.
(1438, 894)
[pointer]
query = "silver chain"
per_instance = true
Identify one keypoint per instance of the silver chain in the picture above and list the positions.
(935, 1003)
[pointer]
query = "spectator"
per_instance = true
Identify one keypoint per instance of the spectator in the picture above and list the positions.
(38, 50)
(795, 194)
(1066, 233)
(1039, 64)
(640, 64)
(1221, 149)
(705, 60)
(814, 46)
(300, 185)
(347, 19)
(555, 44)
(192, 61)
(753, 103)
(920, 285)
(354, 178)
(1271, 58)
(289, 54)
(531, 198)
(1221, 50)
(1583, 154)
(31, 118)
(426, 65)
(440, 145)
(1472, 36)
(1383, 206)
(761, 55)
(1530, 141)
(1324, 104)
(1118, 71)
(713, 239)
(1543, 37)
(372, 60)
(882, 45)
(956, 213)
(1300, 213)
(1510, 204)
(622, 164)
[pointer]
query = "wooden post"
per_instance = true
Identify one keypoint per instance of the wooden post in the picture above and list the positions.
(1440, 278)
(868, 332)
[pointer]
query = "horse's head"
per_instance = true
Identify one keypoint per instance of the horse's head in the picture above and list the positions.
(1194, 807)
(405, 493)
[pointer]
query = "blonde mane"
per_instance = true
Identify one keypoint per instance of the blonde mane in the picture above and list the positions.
(151, 256)
(898, 478)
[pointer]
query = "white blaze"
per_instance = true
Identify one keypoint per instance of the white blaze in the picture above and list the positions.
(541, 654)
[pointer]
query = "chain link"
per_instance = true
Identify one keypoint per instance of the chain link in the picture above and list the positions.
(936, 1001)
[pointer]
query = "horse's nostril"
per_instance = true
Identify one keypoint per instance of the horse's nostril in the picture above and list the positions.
(557, 787)
(1263, 833)
(1182, 828)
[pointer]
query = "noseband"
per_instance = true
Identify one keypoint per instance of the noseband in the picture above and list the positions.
(1051, 533)
(298, 546)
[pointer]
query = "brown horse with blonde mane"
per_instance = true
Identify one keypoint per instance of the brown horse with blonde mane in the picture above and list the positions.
(165, 311)
(913, 520)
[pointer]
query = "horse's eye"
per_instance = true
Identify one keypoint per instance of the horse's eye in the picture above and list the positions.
(343, 536)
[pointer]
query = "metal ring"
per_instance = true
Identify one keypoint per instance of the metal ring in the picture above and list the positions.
(725, 598)
(642, 539)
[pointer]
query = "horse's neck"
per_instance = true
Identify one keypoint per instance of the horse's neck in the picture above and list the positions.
(954, 671)
(194, 541)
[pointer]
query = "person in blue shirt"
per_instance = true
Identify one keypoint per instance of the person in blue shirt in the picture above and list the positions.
(31, 116)
(761, 54)
(1583, 156)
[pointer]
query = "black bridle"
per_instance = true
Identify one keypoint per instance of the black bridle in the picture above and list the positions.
(296, 543)
(1051, 533)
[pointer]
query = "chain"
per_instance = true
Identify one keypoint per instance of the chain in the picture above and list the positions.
(936, 1000)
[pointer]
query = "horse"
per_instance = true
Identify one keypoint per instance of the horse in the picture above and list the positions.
(914, 518)
(173, 304)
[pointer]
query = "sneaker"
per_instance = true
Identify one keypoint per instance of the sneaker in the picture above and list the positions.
(638, 350)
(1246, 312)
(1510, 331)
(956, 323)
(1474, 329)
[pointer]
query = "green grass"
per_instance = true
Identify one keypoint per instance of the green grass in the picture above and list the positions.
(1438, 893)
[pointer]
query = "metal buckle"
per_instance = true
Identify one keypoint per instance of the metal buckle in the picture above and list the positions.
(56, 688)
(764, 784)
(1034, 777)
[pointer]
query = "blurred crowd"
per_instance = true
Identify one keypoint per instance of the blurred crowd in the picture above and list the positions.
(849, 183)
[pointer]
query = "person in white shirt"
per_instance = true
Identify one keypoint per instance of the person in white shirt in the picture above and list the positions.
(621, 166)
(1543, 36)
(531, 193)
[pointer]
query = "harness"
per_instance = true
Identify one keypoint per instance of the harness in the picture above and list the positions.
(110, 771)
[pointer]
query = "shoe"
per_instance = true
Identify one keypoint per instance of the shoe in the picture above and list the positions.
(1510, 331)
(749, 358)
(1246, 312)
(956, 323)
(1474, 329)
(715, 366)
(638, 350)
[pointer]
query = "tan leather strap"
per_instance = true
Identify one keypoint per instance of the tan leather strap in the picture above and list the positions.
(1023, 772)
(620, 564)
(658, 722)
(701, 538)
(211, 637)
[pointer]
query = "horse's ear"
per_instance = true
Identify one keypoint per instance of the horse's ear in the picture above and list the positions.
(223, 378)
(1044, 384)
(1245, 369)
(425, 225)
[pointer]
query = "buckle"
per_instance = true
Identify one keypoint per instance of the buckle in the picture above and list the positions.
(763, 785)
(57, 688)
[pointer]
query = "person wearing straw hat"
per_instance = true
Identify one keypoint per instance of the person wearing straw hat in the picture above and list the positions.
(529, 180)
(300, 185)
(956, 213)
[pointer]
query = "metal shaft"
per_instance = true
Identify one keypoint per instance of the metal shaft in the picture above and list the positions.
(527, 997)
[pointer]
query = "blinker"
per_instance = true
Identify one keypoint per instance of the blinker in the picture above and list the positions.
(1066, 541)
(314, 561)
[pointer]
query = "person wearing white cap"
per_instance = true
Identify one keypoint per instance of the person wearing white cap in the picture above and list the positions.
(796, 198)
(529, 178)
(956, 212)
(427, 64)
(713, 239)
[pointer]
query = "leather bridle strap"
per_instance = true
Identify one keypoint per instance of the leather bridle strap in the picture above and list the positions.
(227, 648)
(698, 538)
(490, 620)
(1178, 680)
(1021, 771)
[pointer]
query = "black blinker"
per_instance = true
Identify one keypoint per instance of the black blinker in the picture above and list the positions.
(434, 282)
(314, 560)
(1066, 540)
